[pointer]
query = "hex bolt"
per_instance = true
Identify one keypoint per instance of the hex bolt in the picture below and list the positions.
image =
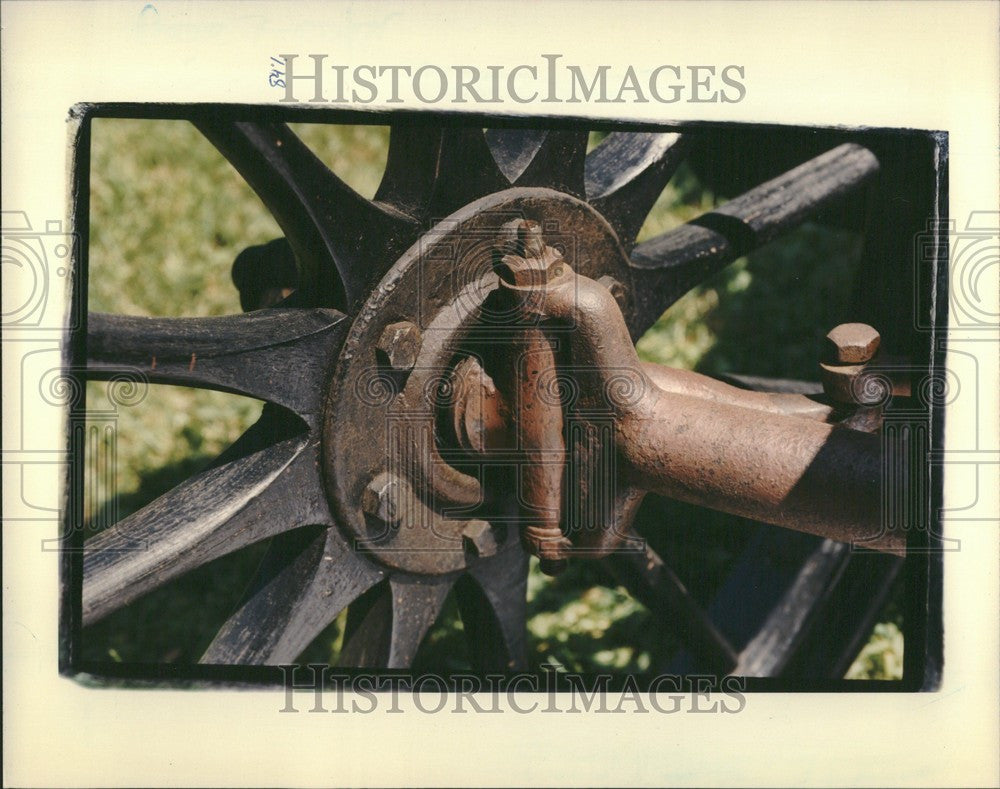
(398, 346)
(521, 257)
(616, 289)
(381, 499)
(851, 343)
(523, 237)
(478, 537)
(847, 350)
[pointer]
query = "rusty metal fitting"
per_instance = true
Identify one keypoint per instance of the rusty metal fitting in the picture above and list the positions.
(851, 343)
(479, 538)
(522, 259)
(847, 351)
(382, 498)
(526, 269)
(399, 345)
(477, 411)
(793, 472)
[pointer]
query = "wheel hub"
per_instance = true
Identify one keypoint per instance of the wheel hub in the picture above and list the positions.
(404, 495)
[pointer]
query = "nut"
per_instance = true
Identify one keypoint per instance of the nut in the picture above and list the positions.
(851, 343)
(479, 538)
(522, 237)
(399, 345)
(522, 258)
(382, 499)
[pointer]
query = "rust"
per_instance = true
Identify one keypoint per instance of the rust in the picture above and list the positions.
(774, 458)
(537, 419)
(851, 343)
(399, 345)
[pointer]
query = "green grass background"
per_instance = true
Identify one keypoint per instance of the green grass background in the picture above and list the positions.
(169, 215)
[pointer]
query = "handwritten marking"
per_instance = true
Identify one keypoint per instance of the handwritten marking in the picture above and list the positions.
(275, 77)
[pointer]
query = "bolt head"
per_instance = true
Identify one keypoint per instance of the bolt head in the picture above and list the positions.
(522, 237)
(851, 343)
(381, 499)
(399, 345)
(479, 538)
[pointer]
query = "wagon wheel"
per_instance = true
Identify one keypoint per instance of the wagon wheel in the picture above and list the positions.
(332, 358)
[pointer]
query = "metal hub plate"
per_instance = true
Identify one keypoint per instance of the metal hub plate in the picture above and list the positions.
(382, 423)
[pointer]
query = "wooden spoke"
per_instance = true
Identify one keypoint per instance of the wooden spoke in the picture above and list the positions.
(668, 266)
(531, 157)
(307, 577)
(411, 169)
(386, 626)
(626, 173)
(466, 171)
(492, 599)
(278, 355)
(776, 640)
(248, 496)
(343, 242)
(655, 585)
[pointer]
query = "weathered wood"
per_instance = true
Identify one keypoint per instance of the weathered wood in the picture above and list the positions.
(343, 242)
(307, 577)
(466, 171)
(533, 157)
(411, 169)
(492, 600)
(657, 587)
(392, 620)
(245, 498)
(278, 355)
(626, 174)
(668, 266)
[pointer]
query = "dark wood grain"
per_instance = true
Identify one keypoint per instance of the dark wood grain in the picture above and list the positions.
(657, 587)
(668, 266)
(535, 157)
(626, 174)
(394, 618)
(278, 355)
(343, 242)
(307, 577)
(247, 497)
(492, 599)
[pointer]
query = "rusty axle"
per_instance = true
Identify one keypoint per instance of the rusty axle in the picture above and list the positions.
(774, 458)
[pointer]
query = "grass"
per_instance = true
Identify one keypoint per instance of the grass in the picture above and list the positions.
(169, 215)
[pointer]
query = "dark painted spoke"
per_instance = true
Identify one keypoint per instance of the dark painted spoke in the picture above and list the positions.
(411, 169)
(466, 171)
(279, 355)
(531, 157)
(392, 620)
(655, 585)
(776, 641)
(326, 222)
(666, 267)
(252, 493)
(492, 599)
(307, 577)
(626, 174)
